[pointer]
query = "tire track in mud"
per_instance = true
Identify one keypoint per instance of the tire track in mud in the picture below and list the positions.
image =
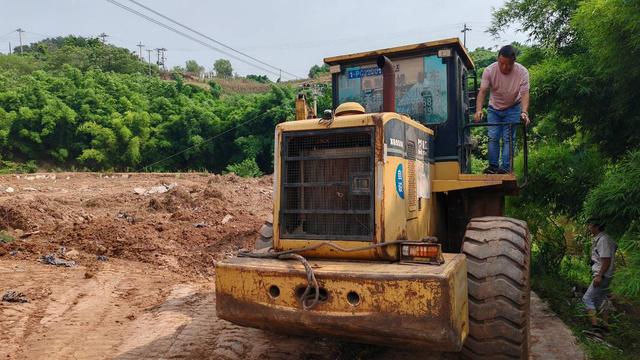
(129, 310)
(203, 336)
(126, 311)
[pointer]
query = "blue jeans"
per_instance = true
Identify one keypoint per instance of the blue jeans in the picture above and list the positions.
(505, 132)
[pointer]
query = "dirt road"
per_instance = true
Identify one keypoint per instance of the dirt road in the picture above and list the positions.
(154, 296)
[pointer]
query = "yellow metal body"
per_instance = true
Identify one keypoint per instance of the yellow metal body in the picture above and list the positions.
(367, 295)
(398, 304)
(447, 177)
(395, 218)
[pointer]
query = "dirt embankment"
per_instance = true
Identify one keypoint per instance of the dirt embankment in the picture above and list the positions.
(179, 222)
(142, 287)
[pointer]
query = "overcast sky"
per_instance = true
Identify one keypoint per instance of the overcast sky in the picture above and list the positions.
(292, 35)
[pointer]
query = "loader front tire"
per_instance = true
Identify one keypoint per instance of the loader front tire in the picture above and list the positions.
(498, 257)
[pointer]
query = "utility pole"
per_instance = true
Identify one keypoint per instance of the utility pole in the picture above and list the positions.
(161, 58)
(315, 91)
(149, 51)
(140, 46)
(464, 31)
(158, 56)
(20, 31)
(104, 37)
(10, 48)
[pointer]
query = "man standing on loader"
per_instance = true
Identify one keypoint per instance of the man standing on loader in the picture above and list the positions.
(508, 82)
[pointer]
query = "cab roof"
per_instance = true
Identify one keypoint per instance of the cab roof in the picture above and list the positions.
(405, 50)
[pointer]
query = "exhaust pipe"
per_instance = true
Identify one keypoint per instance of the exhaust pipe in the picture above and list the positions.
(388, 84)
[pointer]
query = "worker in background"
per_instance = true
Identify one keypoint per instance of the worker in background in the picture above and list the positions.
(603, 251)
(508, 83)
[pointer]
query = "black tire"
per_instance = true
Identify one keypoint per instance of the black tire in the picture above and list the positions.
(498, 257)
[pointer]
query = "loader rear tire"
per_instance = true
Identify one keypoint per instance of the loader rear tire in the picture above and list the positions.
(498, 257)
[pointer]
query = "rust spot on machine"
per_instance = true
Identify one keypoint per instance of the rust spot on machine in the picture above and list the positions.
(373, 302)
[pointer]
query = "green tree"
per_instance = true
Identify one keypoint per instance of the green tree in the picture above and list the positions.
(223, 68)
(483, 57)
(193, 67)
(78, 114)
(317, 70)
(259, 78)
(585, 144)
(545, 21)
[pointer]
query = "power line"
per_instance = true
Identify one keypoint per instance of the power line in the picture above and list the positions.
(211, 39)
(377, 36)
(199, 144)
(43, 35)
(168, 27)
(186, 35)
(7, 34)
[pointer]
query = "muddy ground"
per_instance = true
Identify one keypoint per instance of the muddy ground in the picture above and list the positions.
(143, 283)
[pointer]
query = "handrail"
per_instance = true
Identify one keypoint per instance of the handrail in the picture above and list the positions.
(524, 147)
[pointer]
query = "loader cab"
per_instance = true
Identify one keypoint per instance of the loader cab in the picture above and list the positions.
(431, 87)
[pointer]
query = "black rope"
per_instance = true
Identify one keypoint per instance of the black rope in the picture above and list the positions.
(312, 283)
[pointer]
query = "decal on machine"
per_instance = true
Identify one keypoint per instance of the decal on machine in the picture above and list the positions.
(396, 136)
(396, 142)
(400, 181)
(423, 148)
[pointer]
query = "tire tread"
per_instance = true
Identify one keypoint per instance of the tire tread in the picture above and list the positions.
(497, 251)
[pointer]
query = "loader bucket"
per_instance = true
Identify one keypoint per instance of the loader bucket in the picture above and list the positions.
(414, 305)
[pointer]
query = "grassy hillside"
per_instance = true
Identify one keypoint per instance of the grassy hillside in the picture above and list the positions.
(77, 103)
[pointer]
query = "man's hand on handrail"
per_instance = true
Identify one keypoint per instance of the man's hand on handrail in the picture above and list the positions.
(525, 118)
(478, 115)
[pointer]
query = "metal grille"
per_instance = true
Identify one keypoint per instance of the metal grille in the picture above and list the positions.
(327, 187)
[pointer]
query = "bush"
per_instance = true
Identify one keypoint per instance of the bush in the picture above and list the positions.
(560, 177)
(106, 120)
(617, 202)
(246, 168)
(617, 199)
(9, 167)
(549, 243)
(5, 238)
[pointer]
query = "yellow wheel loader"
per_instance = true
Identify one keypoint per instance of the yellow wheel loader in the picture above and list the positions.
(380, 233)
